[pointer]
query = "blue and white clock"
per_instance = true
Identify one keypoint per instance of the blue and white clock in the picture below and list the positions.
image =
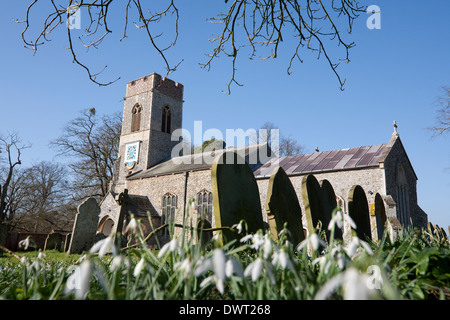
(131, 153)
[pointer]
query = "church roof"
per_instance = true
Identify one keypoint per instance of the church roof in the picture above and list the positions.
(202, 161)
(325, 161)
(140, 205)
(335, 160)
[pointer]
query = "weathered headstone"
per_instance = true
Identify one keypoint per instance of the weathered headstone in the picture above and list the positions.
(53, 241)
(85, 226)
(282, 207)
(235, 195)
(378, 213)
(319, 200)
(358, 209)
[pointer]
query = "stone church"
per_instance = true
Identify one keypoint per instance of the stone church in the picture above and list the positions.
(160, 185)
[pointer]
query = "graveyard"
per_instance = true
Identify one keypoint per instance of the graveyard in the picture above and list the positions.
(310, 164)
(243, 258)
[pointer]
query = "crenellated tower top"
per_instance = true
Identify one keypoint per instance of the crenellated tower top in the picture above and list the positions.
(154, 82)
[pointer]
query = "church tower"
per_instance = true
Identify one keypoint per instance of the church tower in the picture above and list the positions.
(153, 109)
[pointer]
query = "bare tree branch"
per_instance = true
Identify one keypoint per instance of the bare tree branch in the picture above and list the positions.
(256, 24)
(442, 125)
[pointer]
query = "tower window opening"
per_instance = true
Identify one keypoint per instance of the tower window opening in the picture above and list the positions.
(136, 118)
(166, 120)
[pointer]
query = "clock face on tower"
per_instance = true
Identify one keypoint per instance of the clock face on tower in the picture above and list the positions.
(131, 153)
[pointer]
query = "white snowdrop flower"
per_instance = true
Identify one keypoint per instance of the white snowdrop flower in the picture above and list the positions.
(104, 246)
(324, 263)
(202, 266)
(258, 241)
(246, 238)
(329, 287)
(117, 262)
(24, 260)
(267, 247)
(138, 268)
(313, 241)
(25, 243)
(238, 227)
(37, 264)
(219, 261)
(352, 247)
(285, 261)
(350, 221)
(337, 219)
(78, 282)
(354, 285)
(184, 266)
(206, 281)
(170, 246)
(132, 226)
(354, 244)
(366, 246)
(233, 266)
(254, 269)
(41, 255)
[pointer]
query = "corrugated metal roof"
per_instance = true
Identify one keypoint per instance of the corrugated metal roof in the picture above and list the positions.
(343, 159)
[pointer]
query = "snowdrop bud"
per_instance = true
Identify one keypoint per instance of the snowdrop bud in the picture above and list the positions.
(78, 282)
(267, 248)
(132, 226)
(219, 261)
(139, 267)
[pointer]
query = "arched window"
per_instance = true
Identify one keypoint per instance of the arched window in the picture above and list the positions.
(169, 204)
(402, 196)
(205, 204)
(136, 118)
(166, 120)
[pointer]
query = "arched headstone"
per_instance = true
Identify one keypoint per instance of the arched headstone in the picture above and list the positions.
(380, 215)
(235, 194)
(319, 200)
(85, 226)
(282, 207)
(358, 209)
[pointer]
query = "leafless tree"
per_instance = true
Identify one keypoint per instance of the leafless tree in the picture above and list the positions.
(254, 25)
(442, 125)
(40, 199)
(289, 146)
(12, 147)
(286, 146)
(93, 143)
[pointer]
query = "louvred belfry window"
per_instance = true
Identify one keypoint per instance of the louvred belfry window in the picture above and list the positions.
(136, 118)
(166, 120)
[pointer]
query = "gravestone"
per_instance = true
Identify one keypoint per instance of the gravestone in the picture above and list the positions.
(282, 207)
(358, 209)
(235, 195)
(53, 241)
(319, 201)
(85, 226)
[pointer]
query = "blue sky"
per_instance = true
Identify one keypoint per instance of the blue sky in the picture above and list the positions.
(395, 73)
